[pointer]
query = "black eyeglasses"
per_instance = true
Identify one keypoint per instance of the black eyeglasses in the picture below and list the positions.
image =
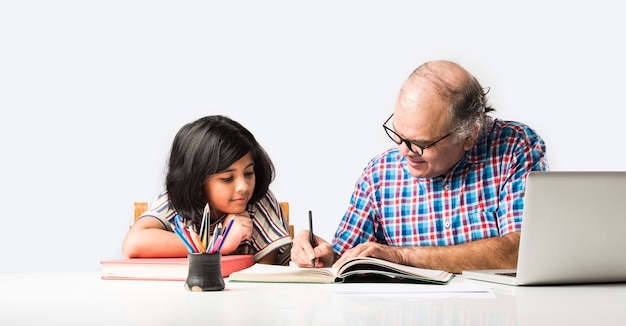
(413, 147)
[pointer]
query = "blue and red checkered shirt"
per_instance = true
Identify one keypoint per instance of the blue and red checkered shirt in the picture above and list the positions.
(481, 197)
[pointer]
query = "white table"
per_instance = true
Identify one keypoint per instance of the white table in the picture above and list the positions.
(85, 299)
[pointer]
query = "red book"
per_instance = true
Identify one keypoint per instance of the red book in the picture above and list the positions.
(164, 269)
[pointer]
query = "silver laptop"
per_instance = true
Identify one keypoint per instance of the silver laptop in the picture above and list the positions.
(573, 231)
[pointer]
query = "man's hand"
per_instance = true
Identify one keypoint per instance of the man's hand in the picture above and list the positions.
(372, 249)
(302, 253)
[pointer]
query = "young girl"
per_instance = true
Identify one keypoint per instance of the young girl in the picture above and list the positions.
(216, 161)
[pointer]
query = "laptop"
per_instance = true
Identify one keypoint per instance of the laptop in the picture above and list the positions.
(573, 231)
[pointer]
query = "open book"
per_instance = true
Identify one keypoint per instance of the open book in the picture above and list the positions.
(357, 269)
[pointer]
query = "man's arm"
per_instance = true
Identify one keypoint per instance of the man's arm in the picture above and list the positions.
(490, 253)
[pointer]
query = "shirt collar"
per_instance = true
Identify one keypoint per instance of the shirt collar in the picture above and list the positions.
(478, 153)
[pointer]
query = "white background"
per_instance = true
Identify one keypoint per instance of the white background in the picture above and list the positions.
(92, 93)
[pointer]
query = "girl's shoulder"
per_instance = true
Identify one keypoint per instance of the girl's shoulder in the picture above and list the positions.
(267, 203)
(269, 198)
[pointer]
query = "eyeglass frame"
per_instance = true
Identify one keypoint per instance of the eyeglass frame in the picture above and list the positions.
(410, 144)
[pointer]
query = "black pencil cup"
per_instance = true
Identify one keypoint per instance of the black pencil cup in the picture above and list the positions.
(205, 272)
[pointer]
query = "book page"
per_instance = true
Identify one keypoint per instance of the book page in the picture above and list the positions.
(283, 274)
(370, 265)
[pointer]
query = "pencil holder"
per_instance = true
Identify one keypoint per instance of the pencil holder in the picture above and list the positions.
(205, 272)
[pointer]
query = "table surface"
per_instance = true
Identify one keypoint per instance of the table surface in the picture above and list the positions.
(86, 299)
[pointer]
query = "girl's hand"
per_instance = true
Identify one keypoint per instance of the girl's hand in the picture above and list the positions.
(239, 231)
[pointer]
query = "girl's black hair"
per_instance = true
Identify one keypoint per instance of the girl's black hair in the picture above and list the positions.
(205, 147)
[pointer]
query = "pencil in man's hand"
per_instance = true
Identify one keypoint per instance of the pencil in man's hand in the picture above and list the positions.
(312, 236)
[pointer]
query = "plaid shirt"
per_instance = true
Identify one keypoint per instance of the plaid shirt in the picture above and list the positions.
(481, 197)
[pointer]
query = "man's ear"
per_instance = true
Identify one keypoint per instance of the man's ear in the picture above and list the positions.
(471, 139)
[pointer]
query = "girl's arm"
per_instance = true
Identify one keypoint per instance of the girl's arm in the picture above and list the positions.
(239, 231)
(147, 238)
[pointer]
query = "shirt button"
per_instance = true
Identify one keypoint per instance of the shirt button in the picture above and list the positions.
(446, 186)
(447, 224)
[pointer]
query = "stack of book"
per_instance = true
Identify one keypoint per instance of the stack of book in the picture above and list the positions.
(164, 269)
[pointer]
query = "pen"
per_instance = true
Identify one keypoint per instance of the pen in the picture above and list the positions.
(181, 231)
(197, 242)
(182, 237)
(217, 231)
(312, 236)
(204, 226)
(225, 234)
(187, 235)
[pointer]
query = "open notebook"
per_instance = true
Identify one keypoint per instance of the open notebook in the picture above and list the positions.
(573, 230)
